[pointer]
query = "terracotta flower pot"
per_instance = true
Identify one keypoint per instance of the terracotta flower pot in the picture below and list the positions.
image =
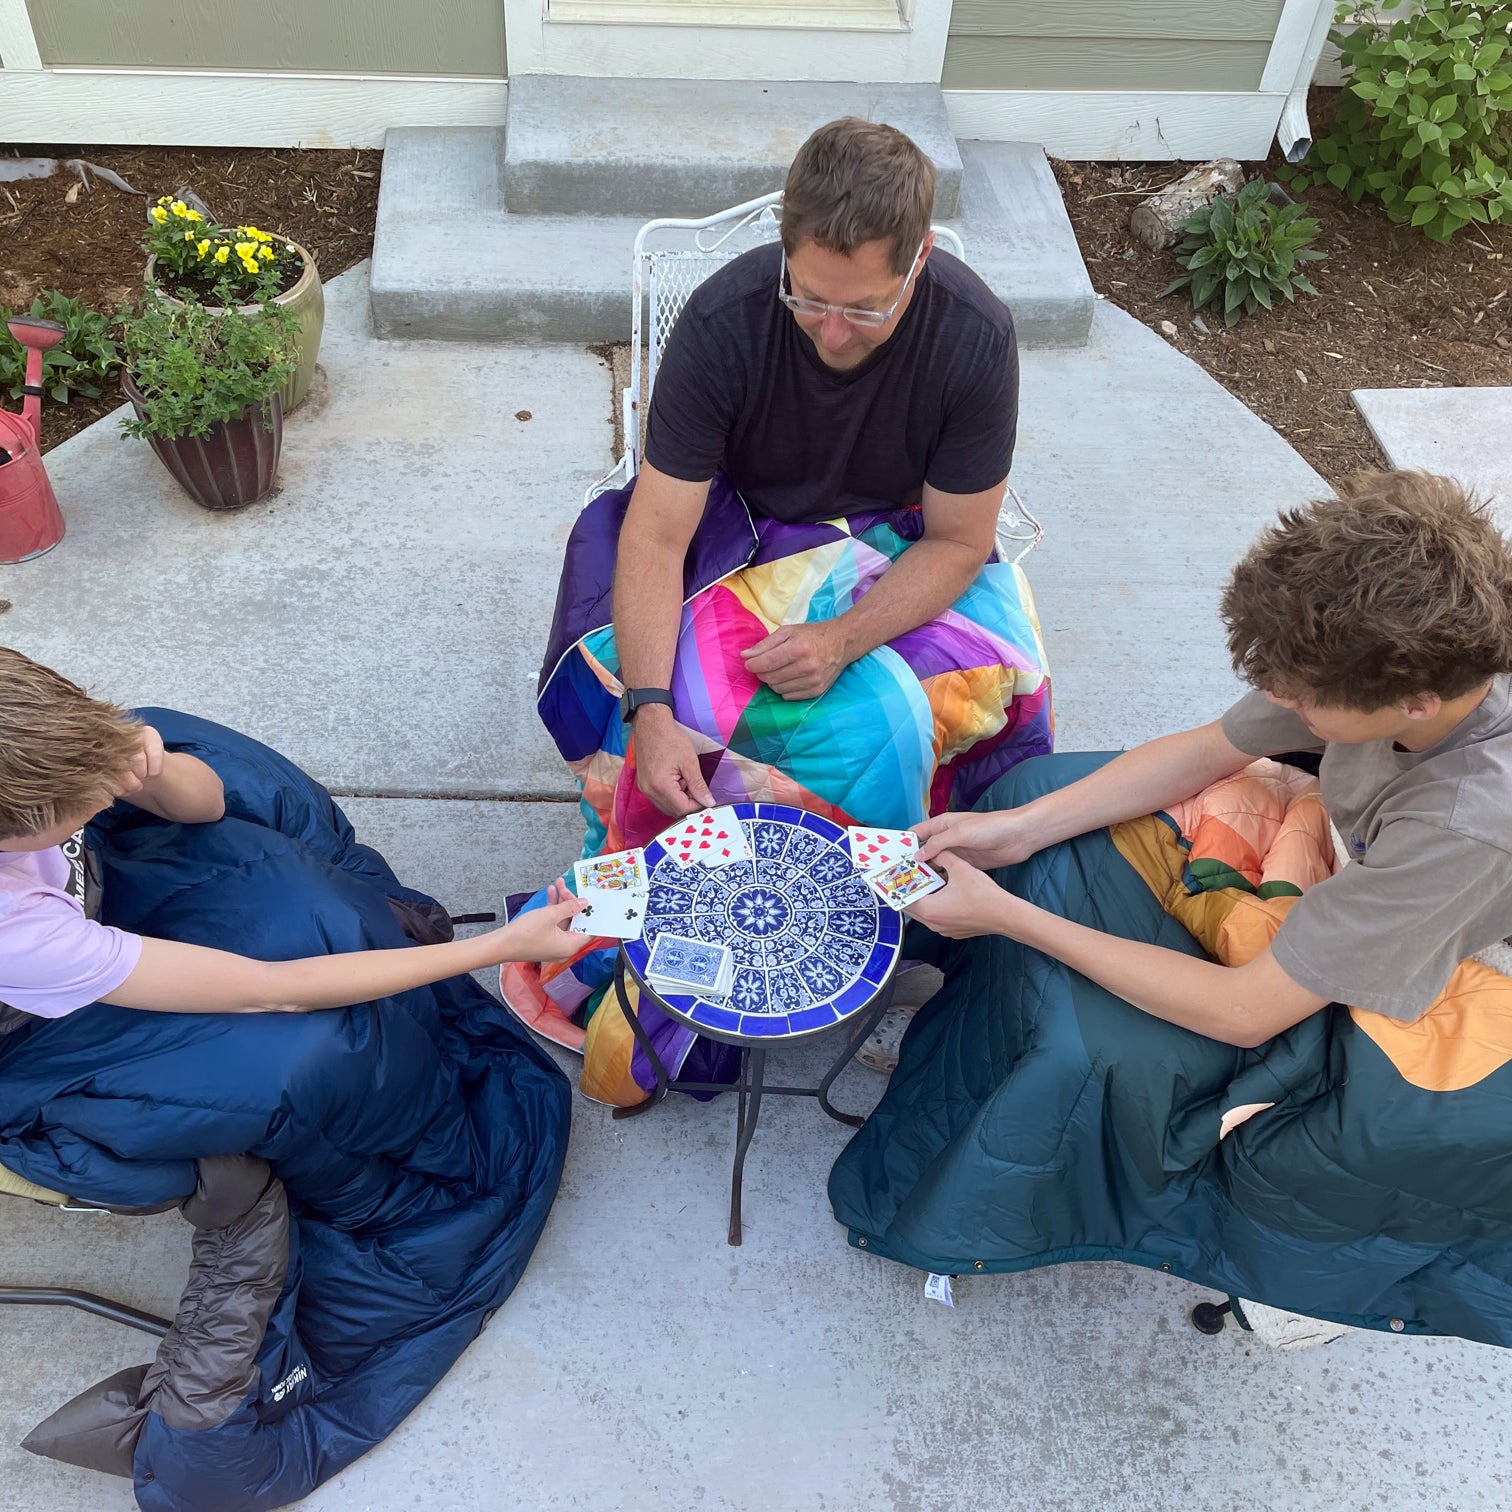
(236, 464)
(307, 300)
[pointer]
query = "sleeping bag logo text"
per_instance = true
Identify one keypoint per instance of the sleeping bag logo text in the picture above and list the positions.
(289, 1382)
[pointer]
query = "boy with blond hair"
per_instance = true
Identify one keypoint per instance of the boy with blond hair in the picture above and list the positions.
(66, 757)
(1376, 632)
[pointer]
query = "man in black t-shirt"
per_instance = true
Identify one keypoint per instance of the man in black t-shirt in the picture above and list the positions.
(854, 367)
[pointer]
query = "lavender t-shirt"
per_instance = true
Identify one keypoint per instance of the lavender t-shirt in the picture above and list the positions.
(53, 957)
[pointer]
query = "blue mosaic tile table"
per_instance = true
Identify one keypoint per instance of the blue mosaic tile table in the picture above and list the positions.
(814, 949)
(812, 943)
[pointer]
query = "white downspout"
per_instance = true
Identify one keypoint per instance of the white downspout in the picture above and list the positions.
(1293, 132)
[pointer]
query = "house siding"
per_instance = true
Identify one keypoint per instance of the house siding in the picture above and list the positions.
(459, 37)
(1157, 45)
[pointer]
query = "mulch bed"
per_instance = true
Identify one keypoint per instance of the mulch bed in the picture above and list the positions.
(326, 201)
(1394, 310)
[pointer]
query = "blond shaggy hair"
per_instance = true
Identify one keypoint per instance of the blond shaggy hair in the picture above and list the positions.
(1399, 587)
(60, 749)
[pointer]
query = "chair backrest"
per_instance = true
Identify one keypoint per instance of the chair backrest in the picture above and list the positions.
(672, 257)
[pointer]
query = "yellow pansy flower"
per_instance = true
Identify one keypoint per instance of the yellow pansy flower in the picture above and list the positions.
(159, 214)
(194, 215)
(188, 236)
(203, 247)
(179, 208)
(222, 253)
(265, 251)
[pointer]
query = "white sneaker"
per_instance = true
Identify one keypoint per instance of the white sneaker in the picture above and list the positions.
(915, 984)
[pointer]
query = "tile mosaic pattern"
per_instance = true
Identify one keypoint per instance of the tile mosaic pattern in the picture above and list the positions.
(812, 943)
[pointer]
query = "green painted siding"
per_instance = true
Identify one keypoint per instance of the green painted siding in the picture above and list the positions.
(1155, 45)
(463, 37)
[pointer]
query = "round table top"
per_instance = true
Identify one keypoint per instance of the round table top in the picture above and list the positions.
(813, 944)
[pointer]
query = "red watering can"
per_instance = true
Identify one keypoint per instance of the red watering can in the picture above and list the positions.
(30, 520)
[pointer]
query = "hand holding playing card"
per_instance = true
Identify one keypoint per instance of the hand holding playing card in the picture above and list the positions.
(970, 904)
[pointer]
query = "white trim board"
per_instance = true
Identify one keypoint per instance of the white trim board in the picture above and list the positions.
(179, 108)
(18, 40)
(320, 110)
(1090, 125)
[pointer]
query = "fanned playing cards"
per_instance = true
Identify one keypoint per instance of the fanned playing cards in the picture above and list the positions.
(888, 860)
(615, 888)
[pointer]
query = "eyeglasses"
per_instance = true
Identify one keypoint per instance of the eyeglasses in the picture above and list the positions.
(850, 313)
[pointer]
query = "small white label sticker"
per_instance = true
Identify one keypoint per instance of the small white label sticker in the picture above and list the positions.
(937, 1289)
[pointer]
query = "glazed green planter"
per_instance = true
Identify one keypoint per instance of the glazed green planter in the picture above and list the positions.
(307, 300)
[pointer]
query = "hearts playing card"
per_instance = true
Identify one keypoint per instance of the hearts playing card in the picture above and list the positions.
(904, 882)
(872, 849)
(713, 837)
(616, 913)
(623, 871)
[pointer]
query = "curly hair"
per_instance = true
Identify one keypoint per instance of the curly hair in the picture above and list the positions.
(1401, 586)
(60, 749)
(855, 182)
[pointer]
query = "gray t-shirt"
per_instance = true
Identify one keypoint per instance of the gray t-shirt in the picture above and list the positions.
(1430, 836)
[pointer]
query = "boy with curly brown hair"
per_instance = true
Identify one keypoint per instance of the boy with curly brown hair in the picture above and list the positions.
(1376, 631)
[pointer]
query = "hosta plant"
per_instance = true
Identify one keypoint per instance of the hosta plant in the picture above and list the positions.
(1244, 252)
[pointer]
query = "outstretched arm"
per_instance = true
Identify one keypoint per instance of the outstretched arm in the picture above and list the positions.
(170, 977)
(1240, 1005)
(1150, 777)
(803, 661)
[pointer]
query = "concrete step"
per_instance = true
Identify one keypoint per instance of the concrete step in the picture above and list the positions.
(579, 146)
(451, 262)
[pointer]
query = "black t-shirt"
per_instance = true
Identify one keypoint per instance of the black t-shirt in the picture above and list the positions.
(742, 388)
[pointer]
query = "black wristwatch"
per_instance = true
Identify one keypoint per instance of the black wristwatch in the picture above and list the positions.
(637, 698)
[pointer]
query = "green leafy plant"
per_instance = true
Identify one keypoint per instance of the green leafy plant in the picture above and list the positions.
(196, 367)
(1425, 119)
(1243, 252)
(82, 363)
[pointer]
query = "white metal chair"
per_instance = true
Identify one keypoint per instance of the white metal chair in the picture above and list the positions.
(671, 258)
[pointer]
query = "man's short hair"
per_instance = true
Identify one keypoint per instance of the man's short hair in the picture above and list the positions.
(1401, 586)
(60, 749)
(855, 182)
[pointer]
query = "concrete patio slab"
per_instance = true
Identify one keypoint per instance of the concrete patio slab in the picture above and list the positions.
(1465, 433)
(380, 625)
(382, 617)
(1151, 480)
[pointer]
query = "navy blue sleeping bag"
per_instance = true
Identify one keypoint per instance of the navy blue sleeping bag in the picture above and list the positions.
(415, 1145)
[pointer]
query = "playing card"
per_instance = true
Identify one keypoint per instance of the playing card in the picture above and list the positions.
(904, 882)
(621, 872)
(618, 913)
(680, 964)
(713, 837)
(872, 849)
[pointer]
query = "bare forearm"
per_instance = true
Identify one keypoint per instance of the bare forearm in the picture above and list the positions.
(186, 791)
(360, 976)
(1142, 781)
(925, 581)
(175, 978)
(648, 582)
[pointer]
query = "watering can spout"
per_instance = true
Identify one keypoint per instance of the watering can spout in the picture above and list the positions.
(37, 336)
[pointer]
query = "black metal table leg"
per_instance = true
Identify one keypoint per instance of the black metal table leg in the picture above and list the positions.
(752, 1078)
(643, 1040)
(869, 1021)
